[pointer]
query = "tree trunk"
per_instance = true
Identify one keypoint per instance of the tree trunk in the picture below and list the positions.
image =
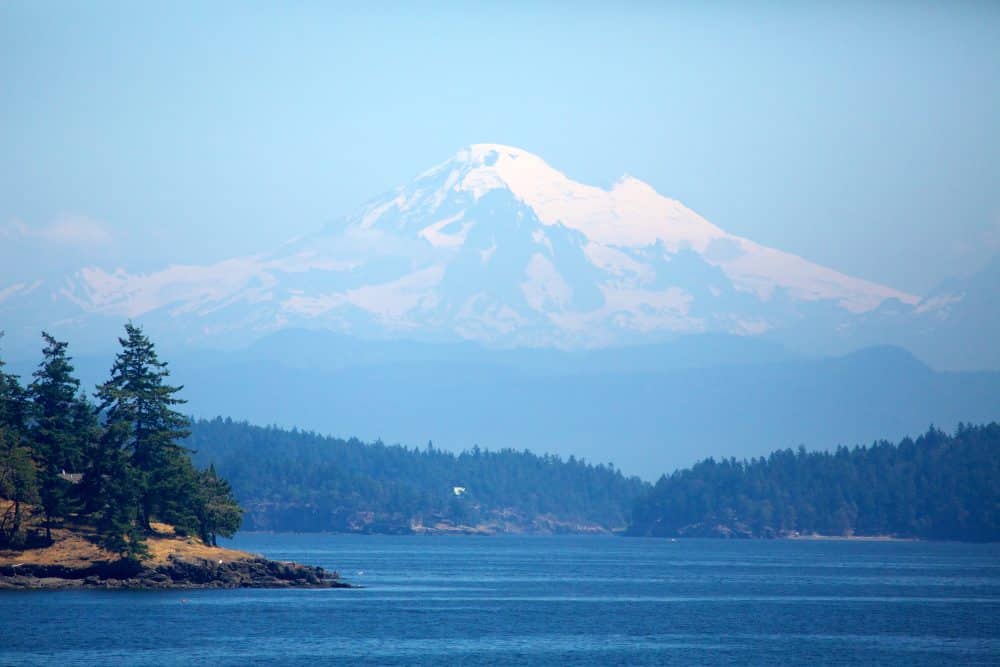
(144, 516)
(16, 528)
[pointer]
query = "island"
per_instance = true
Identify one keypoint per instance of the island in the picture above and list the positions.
(106, 495)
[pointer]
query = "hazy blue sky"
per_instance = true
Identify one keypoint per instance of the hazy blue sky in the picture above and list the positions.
(862, 137)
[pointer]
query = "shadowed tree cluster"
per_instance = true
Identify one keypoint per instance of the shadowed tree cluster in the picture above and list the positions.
(118, 464)
(937, 486)
(301, 481)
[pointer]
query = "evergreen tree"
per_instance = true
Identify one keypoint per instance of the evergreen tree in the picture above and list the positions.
(18, 480)
(112, 493)
(137, 400)
(53, 430)
(218, 511)
(13, 401)
(133, 467)
(17, 483)
(90, 491)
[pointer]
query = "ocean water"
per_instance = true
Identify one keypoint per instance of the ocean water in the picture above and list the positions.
(544, 600)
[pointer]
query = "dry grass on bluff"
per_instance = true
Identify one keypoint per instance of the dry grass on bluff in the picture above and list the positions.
(73, 546)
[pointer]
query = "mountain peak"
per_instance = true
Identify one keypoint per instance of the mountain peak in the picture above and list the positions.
(631, 213)
(490, 152)
(496, 245)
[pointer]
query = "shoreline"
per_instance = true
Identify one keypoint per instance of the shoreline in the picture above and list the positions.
(178, 574)
(853, 538)
(616, 534)
(74, 560)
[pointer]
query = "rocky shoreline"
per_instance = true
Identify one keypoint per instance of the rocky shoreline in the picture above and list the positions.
(175, 573)
(73, 558)
(736, 530)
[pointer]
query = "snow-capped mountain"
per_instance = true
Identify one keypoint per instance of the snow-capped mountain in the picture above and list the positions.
(494, 245)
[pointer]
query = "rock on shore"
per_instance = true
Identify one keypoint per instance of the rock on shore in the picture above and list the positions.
(176, 573)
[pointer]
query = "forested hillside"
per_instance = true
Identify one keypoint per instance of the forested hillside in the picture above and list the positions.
(293, 480)
(938, 486)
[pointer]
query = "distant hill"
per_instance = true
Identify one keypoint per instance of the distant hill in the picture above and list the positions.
(650, 408)
(640, 407)
(298, 481)
(935, 487)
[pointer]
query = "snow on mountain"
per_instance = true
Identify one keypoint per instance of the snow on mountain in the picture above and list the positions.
(629, 215)
(497, 246)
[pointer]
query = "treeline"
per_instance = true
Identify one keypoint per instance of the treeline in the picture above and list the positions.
(116, 464)
(294, 480)
(939, 486)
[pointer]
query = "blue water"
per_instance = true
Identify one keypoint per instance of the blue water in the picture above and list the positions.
(561, 600)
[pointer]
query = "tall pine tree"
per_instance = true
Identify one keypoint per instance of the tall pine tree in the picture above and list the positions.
(53, 429)
(139, 405)
(13, 401)
(18, 478)
(18, 483)
(112, 492)
(218, 511)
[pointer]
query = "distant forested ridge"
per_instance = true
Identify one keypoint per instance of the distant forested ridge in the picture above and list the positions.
(938, 486)
(297, 481)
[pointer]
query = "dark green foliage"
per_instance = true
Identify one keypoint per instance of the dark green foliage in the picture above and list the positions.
(219, 513)
(136, 396)
(18, 474)
(118, 467)
(18, 483)
(54, 428)
(935, 487)
(14, 403)
(112, 489)
(292, 480)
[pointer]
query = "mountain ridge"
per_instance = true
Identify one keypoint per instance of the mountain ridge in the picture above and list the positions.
(659, 406)
(560, 239)
(496, 246)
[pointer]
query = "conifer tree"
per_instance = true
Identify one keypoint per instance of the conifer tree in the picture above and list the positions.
(13, 401)
(139, 405)
(53, 429)
(218, 511)
(112, 492)
(17, 483)
(18, 480)
(133, 467)
(90, 434)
